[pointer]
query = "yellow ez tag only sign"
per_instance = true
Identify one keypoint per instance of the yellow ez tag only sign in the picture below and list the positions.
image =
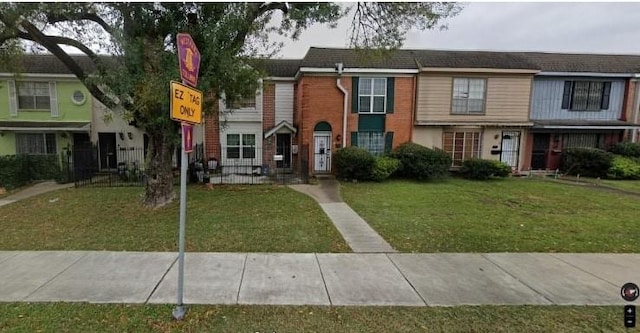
(186, 103)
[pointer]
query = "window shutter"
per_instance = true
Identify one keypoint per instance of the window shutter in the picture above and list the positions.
(53, 96)
(13, 98)
(606, 93)
(388, 142)
(354, 94)
(354, 139)
(566, 95)
(390, 91)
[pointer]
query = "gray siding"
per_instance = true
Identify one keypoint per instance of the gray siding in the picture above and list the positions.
(546, 101)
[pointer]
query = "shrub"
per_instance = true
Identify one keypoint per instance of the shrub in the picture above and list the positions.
(624, 168)
(384, 167)
(480, 169)
(588, 162)
(18, 170)
(422, 163)
(627, 149)
(354, 163)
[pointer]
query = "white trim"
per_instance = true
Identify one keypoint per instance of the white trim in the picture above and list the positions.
(13, 98)
(611, 127)
(543, 73)
(84, 97)
(479, 70)
(40, 75)
(278, 127)
(53, 99)
(279, 78)
(358, 70)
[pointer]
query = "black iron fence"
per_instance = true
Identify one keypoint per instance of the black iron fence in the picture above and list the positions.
(88, 166)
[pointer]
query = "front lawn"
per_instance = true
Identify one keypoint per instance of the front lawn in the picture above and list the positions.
(629, 185)
(69, 317)
(512, 215)
(259, 218)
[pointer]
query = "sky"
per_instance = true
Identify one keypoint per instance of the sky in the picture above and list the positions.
(571, 27)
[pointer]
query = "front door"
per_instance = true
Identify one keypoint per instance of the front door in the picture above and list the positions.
(510, 148)
(540, 151)
(107, 151)
(322, 151)
(283, 147)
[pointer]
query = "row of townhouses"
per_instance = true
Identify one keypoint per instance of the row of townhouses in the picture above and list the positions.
(522, 108)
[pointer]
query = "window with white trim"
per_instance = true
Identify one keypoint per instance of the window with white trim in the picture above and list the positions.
(372, 95)
(468, 96)
(33, 96)
(461, 146)
(372, 141)
(241, 146)
(36, 143)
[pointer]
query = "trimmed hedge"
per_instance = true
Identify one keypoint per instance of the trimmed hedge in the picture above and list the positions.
(481, 169)
(384, 167)
(588, 162)
(627, 149)
(421, 163)
(18, 170)
(354, 163)
(624, 168)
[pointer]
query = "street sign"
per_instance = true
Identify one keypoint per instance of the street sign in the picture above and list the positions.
(189, 58)
(187, 134)
(186, 103)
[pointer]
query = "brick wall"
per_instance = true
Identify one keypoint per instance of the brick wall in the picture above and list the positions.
(212, 127)
(268, 122)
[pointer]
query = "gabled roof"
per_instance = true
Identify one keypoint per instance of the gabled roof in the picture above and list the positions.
(46, 64)
(472, 59)
(327, 58)
(589, 63)
(283, 124)
(281, 67)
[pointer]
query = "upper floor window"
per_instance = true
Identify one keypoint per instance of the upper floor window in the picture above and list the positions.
(372, 95)
(586, 95)
(468, 95)
(36, 143)
(33, 96)
(244, 103)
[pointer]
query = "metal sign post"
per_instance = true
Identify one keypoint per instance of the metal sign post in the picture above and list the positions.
(186, 106)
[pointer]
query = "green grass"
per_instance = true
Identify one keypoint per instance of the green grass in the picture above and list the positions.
(67, 317)
(512, 215)
(261, 218)
(630, 185)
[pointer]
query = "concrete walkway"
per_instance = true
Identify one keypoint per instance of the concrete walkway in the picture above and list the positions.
(34, 190)
(355, 231)
(446, 279)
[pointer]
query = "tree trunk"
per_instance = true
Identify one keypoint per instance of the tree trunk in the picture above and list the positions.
(159, 187)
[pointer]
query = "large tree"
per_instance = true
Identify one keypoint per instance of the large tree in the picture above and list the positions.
(139, 41)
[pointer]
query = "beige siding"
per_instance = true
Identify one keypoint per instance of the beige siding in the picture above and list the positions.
(430, 137)
(507, 98)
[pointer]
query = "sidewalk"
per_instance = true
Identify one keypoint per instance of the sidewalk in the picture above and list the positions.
(34, 190)
(446, 279)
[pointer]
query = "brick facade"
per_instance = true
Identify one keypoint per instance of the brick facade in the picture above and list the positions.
(268, 122)
(212, 128)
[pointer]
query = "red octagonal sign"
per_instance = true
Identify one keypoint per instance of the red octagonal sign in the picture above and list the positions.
(189, 58)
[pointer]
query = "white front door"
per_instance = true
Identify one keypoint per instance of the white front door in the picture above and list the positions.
(510, 148)
(322, 151)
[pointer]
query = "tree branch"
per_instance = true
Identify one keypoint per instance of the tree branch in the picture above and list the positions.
(56, 18)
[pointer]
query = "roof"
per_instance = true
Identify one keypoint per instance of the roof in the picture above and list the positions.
(590, 63)
(281, 67)
(472, 59)
(578, 123)
(350, 58)
(46, 64)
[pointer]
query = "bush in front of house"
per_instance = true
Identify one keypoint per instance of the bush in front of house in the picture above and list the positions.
(18, 170)
(384, 167)
(624, 168)
(480, 169)
(627, 149)
(587, 162)
(421, 163)
(354, 163)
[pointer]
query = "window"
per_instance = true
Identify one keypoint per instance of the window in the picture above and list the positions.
(78, 97)
(462, 146)
(241, 146)
(244, 103)
(36, 143)
(468, 96)
(33, 96)
(586, 95)
(372, 141)
(372, 95)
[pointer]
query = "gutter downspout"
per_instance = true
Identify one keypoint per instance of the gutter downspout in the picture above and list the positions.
(636, 110)
(339, 68)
